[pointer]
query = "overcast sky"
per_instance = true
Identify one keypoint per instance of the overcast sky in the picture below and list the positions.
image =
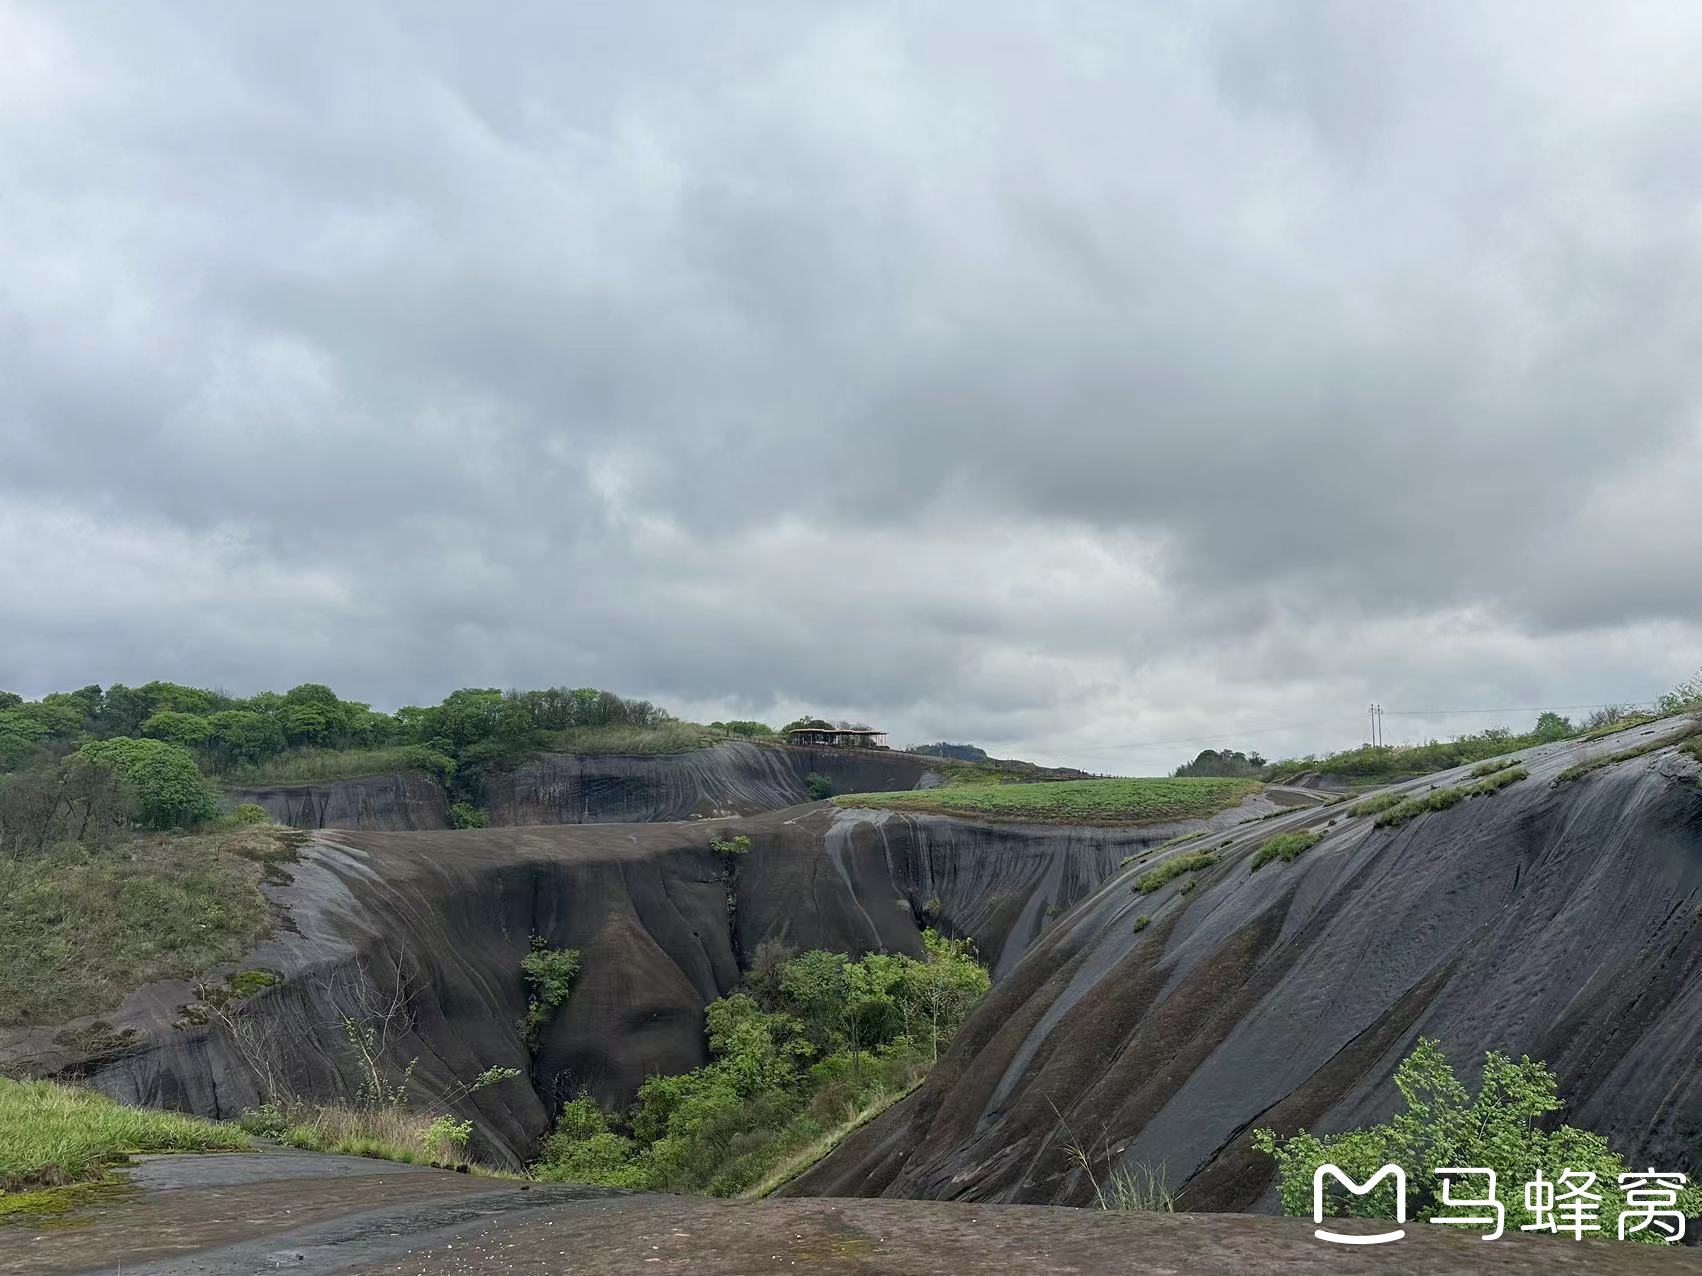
(1076, 379)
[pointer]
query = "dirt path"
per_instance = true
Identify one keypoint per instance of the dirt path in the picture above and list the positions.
(299, 1212)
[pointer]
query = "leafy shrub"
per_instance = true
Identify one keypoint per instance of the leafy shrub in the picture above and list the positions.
(1142, 922)
(464, 815)
(731, 849)
(1173, 868)
(445, 1139)
(816, 1041)
(1499, 1128)
(248, 813)
(263, 1122)
(1286, 847)
(168, 788)
(549, 974)
(1683, 698)
(819, 785)
(249, 983)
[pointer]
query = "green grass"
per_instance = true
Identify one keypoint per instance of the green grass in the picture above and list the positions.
(1171, 869)
(1141, 923)
(797, 1162)
(53, 1135)
(1441, 799)
(1286, 847)
(670, 737)
(1624, 755)
(309, 766)
(1377, 804)
(1490, 768)
(1101, 802)
(80, 927)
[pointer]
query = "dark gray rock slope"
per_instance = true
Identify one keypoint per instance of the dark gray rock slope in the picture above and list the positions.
(1559, 920)
(449, 915)
(734, 778)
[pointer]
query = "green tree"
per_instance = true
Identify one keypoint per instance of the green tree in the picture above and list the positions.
(188, 729)
(940, 991)
(549, 974)
(243, 737)
(168, 788)
(1551, 726)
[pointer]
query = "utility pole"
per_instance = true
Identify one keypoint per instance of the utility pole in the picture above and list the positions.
(1376, 725)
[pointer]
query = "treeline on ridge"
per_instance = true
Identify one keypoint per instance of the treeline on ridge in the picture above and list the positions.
(75, 761)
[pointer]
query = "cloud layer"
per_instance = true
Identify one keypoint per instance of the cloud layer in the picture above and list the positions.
(1074, 380)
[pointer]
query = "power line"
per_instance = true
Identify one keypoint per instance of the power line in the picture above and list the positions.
(1359, 717)
(1537, 708)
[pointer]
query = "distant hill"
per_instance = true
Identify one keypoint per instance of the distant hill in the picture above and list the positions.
(961, 752)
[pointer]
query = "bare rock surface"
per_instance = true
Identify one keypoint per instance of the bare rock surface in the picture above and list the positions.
(410, 800)
(234, 1215)
(1562, 920)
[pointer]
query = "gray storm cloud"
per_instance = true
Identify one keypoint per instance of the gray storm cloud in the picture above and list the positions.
(1075, 379)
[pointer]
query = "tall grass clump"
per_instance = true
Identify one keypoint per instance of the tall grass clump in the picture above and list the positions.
(1171, 869)
(1441, 799)
(52, 1135)
(1490, 768)
(1377, 804)
(1286, 847)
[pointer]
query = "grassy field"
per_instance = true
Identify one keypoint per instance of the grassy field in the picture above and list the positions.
(52, 1135)
(80, 927)
(1102, 802)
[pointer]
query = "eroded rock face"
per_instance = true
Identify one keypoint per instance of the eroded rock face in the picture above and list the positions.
(734, 778)
(1560, 921)
(410, 800)
(661, 929)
